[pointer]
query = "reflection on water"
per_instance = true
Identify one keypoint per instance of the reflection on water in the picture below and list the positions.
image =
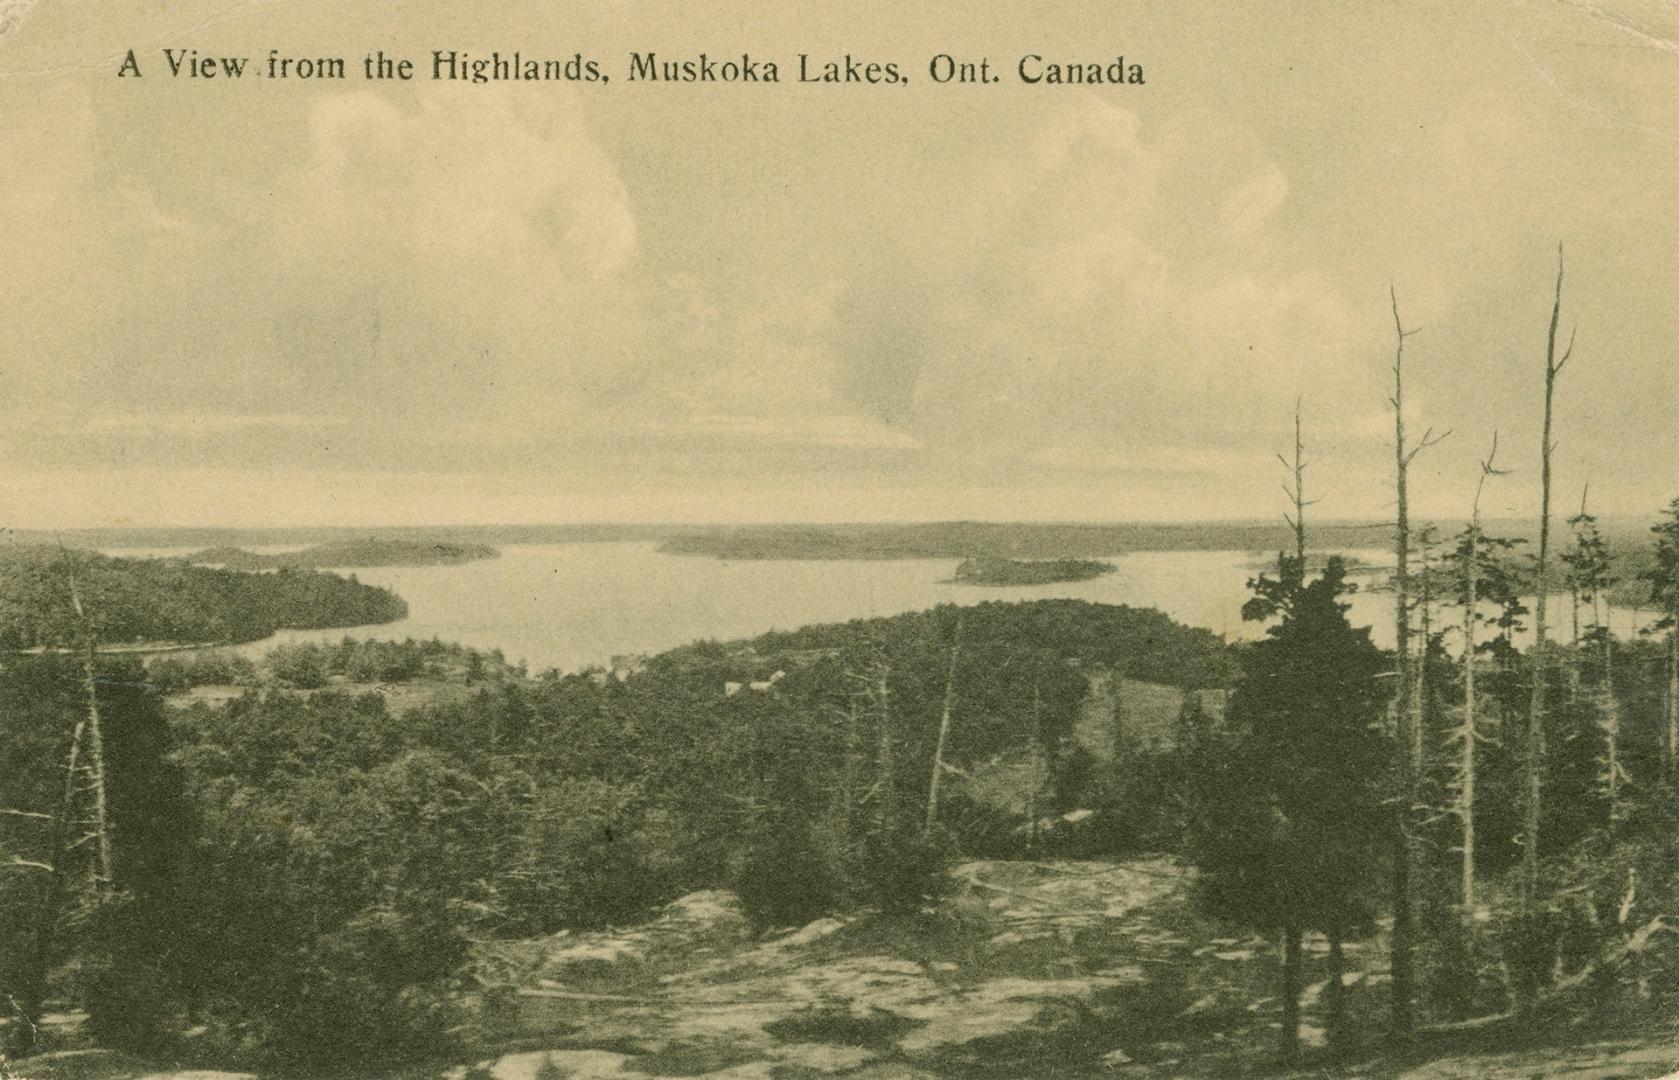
(573, 605)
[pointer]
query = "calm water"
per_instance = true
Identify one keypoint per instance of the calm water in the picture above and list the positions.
(569, 606)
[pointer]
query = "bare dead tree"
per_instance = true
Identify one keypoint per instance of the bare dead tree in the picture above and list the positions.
(1407, 742)
(84, 777)
(1469, 734)
(944, 730)
(886, 761)
(871, 681)
(1534, 756)
(95, 735)
(1296, 491)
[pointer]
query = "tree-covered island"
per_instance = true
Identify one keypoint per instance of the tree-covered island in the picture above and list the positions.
(991, 570)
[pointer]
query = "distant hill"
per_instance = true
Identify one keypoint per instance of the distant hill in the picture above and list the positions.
(301, 536)
(1000, 540)
(365, 551)
(1628, 537)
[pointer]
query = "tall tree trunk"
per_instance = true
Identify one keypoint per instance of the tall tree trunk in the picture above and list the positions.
(1289, 1037)
(886, 759)
(1534, 757)
(944, 731)
(1472, 600)
(86, 737)
(95, 735)
(1408, 766)
(32, 978)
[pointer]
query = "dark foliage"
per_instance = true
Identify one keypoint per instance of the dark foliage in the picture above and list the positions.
(143, 600)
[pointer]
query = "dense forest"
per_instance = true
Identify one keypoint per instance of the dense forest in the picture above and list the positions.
(166, 600)
(313, 867)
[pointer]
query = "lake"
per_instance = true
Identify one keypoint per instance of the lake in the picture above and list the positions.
(570, 606)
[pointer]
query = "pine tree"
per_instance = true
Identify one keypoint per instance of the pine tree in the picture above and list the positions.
(1590, 577)
(1289, 829)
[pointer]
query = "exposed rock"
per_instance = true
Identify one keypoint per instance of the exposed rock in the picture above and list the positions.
(812, 932)
(684, 928)
(573, 1064)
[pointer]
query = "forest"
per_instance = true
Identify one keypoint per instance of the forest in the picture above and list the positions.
(297, 875)
(130, 601)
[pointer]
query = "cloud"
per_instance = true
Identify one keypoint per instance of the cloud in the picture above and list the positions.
(466, 256)
(1145, 298)
(433, 269)
(1021, 291)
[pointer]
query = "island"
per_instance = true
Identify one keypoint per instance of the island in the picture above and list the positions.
(361, 552)
(991, 570)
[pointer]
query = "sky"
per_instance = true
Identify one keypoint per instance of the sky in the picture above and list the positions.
(265, 301)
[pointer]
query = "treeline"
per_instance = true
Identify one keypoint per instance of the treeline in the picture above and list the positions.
(314, 869)
(166, 600)
(310, 666)
(359, 552)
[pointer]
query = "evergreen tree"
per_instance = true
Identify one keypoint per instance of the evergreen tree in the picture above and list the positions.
(1598, 730)
(1290, 829)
